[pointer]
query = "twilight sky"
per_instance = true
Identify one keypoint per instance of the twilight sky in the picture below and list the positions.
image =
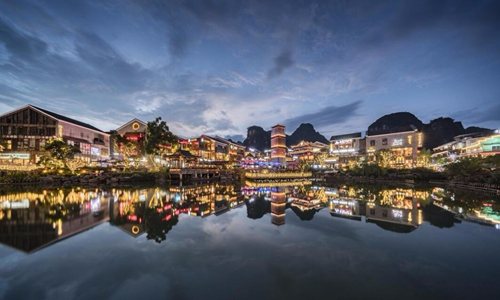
(217, 67)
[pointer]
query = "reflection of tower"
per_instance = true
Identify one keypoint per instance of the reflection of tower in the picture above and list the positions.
(278, 145)
(278, 205)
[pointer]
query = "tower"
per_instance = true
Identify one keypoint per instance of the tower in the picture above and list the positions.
(278, 145)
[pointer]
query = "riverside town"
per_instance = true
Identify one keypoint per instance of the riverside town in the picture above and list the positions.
(214, 149)
(36, 140)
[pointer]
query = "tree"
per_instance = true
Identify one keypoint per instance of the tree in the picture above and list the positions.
(128, 150)
(493, 162)
(159, 140)
(384, 157)
(320, 158)
(60, 154)
(465, 166)
(424, 158)
(75, 164)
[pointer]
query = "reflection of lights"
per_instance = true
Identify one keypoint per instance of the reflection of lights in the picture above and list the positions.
(135, 229)
(397, 213)
(95, 204)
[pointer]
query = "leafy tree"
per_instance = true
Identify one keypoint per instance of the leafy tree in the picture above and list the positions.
(493, 162)
(465, 166)
(424, 158)
(384, 157)
(128, 150)
(158, 139)
(60, 154)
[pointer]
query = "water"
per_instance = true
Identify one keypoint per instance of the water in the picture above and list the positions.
(232, 242)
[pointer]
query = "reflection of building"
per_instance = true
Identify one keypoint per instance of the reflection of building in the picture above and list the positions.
(349, 209)
(403, 146)
(278, 145)
(25, 131)
(391, 209)
(31, 221)
(278, 206)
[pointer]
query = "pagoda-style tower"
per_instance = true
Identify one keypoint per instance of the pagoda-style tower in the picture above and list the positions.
(278, 206)
(278, 145)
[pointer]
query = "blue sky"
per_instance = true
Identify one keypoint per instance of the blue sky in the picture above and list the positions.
(217, 67)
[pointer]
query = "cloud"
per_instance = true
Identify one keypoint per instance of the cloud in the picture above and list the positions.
(327, 116)
(281, 62)
(471, 21)
(479, 114)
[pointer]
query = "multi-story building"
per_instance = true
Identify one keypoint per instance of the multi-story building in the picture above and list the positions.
(133, 131)
(25, 130)
(203, 147)
(474, 144)
(403, 145)
(278, 145)
(306, 151)
(347, 146)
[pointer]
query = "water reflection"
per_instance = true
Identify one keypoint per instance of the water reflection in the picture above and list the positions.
(32, 220)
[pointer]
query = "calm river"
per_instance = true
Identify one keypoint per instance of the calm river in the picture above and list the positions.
(219, 241)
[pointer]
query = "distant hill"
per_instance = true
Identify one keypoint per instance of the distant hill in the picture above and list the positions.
(305, 132)
(260, 139)
(395, 122)
(439, 131)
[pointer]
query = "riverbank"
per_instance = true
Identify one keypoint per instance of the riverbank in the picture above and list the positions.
(101, 177)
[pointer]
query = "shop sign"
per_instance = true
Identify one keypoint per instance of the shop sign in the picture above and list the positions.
(95, 151)
(14, 156)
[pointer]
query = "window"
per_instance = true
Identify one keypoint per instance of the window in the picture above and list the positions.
(495, 148)
(9, 144)
(384, 213)
(42, 145)
(372, 143)
(384, 142)
(372, 211)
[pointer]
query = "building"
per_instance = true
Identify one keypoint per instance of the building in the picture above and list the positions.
(346, 147)
(307, 150)
(403, 145)
(278, 145)
(474, 144)
(203, 147)
(133, 131)
(25, 130)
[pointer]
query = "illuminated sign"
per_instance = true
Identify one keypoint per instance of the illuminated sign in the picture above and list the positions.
(397, 214)
(95, 151)
(14, 156)
(343, 150)
(397, 142)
